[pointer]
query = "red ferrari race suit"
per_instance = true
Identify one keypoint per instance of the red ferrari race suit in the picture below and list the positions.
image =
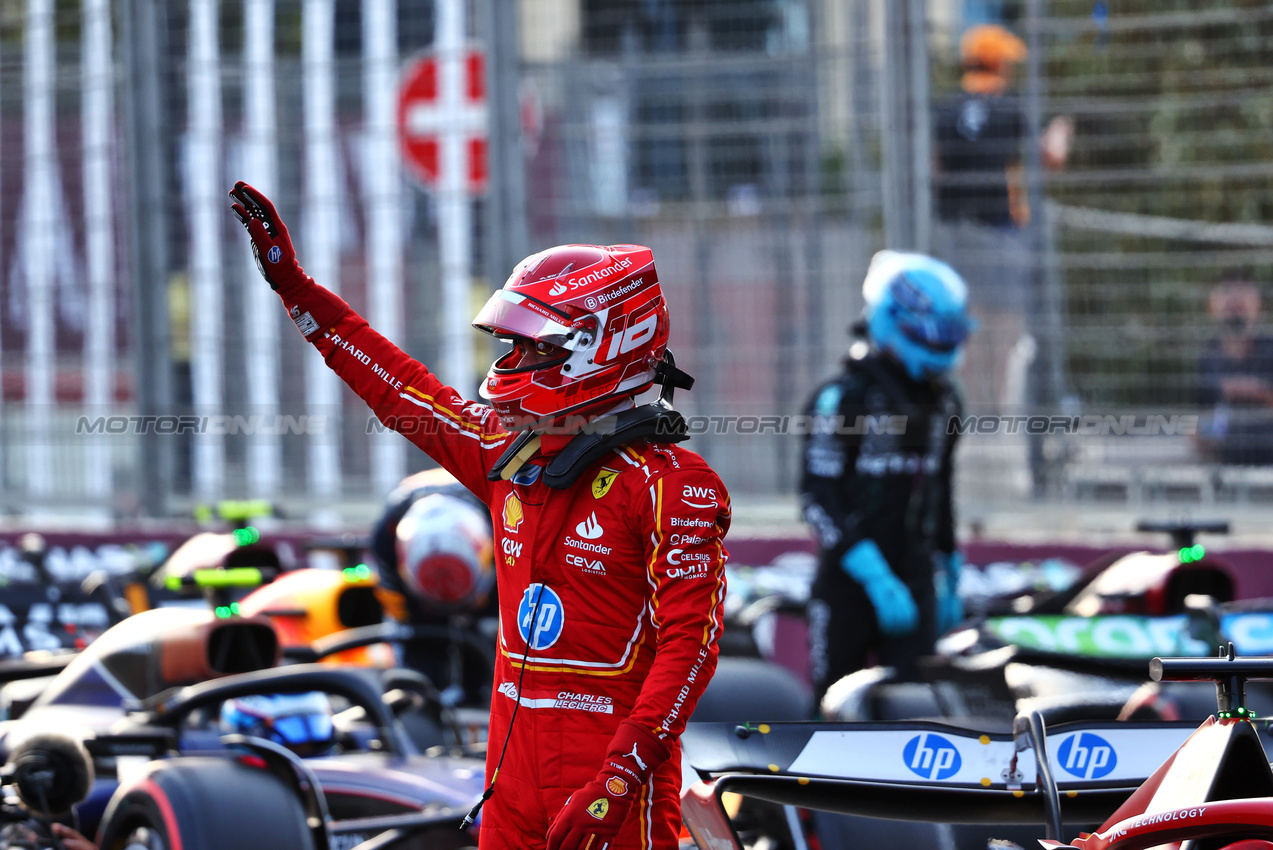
(623, 572)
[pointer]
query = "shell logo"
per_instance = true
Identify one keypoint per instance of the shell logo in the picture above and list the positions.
(513, 513)
(616, 786)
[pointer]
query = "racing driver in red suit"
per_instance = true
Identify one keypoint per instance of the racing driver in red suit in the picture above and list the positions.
(609, 537)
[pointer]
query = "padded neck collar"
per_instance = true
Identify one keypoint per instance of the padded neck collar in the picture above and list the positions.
(656, 422)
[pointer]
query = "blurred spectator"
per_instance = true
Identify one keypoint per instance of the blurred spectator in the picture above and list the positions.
(981, 204)
(1236, 378)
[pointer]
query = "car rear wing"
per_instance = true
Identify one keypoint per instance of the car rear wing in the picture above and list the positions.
(1084, 755)
(922, 770)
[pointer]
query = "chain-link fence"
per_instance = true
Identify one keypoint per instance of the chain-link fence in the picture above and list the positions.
(763, 148)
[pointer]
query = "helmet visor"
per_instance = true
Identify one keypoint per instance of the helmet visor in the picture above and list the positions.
(917, 319)
(938, 333)
(510, 314)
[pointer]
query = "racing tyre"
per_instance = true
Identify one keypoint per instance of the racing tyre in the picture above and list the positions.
(204, 804)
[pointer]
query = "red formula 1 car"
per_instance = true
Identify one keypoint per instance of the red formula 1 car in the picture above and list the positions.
(1213, 791)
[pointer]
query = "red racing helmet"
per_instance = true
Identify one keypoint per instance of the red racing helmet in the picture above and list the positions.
(602, 312)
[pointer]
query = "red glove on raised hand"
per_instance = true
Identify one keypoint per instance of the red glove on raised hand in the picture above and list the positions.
(271, 244)
(594, 814)
(311, 307)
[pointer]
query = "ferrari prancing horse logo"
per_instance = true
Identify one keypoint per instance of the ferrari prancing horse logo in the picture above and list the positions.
(599, 808)
(601, 484)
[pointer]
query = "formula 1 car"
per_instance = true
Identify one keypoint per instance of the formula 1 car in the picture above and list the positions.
(1213, 790)
(128, 734)
(1085, 646)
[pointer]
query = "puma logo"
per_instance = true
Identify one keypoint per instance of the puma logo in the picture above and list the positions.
(636, 758)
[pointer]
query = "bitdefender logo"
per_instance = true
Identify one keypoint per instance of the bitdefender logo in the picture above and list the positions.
(590, 529)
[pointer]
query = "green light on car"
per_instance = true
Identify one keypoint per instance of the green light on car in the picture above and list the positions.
(231, 610)
(233, 577)
(247, 535)
(1191, 554)
(362, 572)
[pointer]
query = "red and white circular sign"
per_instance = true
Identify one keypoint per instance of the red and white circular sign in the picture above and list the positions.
(423, 117)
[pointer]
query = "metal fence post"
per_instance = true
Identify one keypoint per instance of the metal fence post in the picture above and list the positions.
(1047, 383)
(144, 48)
(508, 241)
(904, 112)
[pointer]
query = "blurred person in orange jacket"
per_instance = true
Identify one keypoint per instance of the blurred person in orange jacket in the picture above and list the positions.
(981, 206)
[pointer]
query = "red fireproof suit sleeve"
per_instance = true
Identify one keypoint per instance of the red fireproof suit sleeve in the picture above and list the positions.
(463, 436)
(687, 515)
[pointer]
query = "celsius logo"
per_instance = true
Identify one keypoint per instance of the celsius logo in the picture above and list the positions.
(590, 529)
(275, 254)
(557, 289)
(1086, 756)
(542, 604)
(931, 756)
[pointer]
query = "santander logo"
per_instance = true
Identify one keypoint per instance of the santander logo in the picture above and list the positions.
(557, 289)
(590, 529)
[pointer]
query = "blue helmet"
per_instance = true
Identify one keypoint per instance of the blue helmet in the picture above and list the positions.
(300, 722)
(917, 310)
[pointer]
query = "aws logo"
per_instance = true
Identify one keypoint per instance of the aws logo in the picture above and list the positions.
(699, 497)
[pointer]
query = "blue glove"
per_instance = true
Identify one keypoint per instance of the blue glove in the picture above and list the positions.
(950, 608)
(895, 609)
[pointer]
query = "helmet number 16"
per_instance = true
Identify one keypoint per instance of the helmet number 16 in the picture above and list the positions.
(638, 334)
